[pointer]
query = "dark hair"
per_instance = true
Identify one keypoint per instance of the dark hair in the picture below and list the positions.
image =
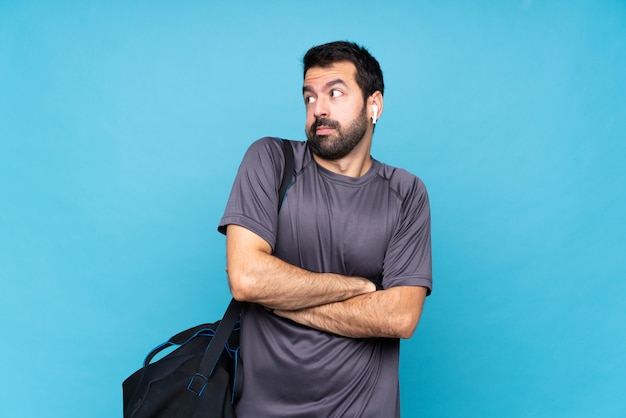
(369, 76)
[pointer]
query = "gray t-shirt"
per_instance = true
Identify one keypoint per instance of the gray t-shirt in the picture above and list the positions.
(376, 226)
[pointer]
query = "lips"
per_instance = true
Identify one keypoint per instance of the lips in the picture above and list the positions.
(324, 126)
(323, 130)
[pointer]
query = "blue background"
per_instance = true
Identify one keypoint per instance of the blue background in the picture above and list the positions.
(122, 125)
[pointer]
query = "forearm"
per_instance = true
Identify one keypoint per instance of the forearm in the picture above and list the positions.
(255, 275)
(269, 281)
(390, 313)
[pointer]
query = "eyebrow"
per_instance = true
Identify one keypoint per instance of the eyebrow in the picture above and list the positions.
(327, 85)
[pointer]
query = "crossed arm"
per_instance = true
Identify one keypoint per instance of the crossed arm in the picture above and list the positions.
(344, 305)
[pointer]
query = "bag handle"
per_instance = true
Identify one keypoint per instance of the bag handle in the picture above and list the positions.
(180, 339)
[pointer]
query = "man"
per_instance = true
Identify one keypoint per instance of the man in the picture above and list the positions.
(340, 274)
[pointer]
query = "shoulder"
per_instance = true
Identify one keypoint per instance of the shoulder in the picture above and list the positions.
(265, 148)
(264, 155)
(270, 150)
(403, 183)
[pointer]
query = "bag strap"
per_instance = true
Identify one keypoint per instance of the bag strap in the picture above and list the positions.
(287, 171)
(228, 322)
(216, 346)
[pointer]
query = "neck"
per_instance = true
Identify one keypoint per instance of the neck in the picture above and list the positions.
(355, 164)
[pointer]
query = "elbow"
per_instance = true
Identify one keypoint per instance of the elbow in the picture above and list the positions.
(408, 303)
(238, 295)
(407, 326)
(240, 285)
(406, 333)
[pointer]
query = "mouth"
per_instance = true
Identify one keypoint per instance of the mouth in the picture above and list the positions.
(324, 126)
(323, 130)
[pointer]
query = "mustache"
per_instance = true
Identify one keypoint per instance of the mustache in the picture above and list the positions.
(323, 122)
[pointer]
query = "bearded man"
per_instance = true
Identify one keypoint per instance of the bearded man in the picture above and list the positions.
(340, 274)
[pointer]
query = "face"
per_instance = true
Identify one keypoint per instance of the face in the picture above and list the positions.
(336, 119)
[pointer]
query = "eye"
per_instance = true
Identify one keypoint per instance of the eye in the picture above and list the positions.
(309, 99)
(336, 93)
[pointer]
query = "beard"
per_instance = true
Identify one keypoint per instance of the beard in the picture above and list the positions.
(341, 142)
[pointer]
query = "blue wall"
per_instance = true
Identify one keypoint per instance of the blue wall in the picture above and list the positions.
(122, 125)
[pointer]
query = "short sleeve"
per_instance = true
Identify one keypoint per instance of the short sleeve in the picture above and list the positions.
(253, 200)
(408, 260)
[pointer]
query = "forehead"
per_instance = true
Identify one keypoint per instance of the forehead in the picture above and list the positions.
(319, 76)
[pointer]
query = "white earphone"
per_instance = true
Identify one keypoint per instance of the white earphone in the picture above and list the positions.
(374, 113)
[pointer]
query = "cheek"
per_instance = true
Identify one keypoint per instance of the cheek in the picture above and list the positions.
(310, 119)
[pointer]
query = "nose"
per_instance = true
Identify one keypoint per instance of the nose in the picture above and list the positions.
(321, 108)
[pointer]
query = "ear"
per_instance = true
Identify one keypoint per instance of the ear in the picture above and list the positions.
(375, 106)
